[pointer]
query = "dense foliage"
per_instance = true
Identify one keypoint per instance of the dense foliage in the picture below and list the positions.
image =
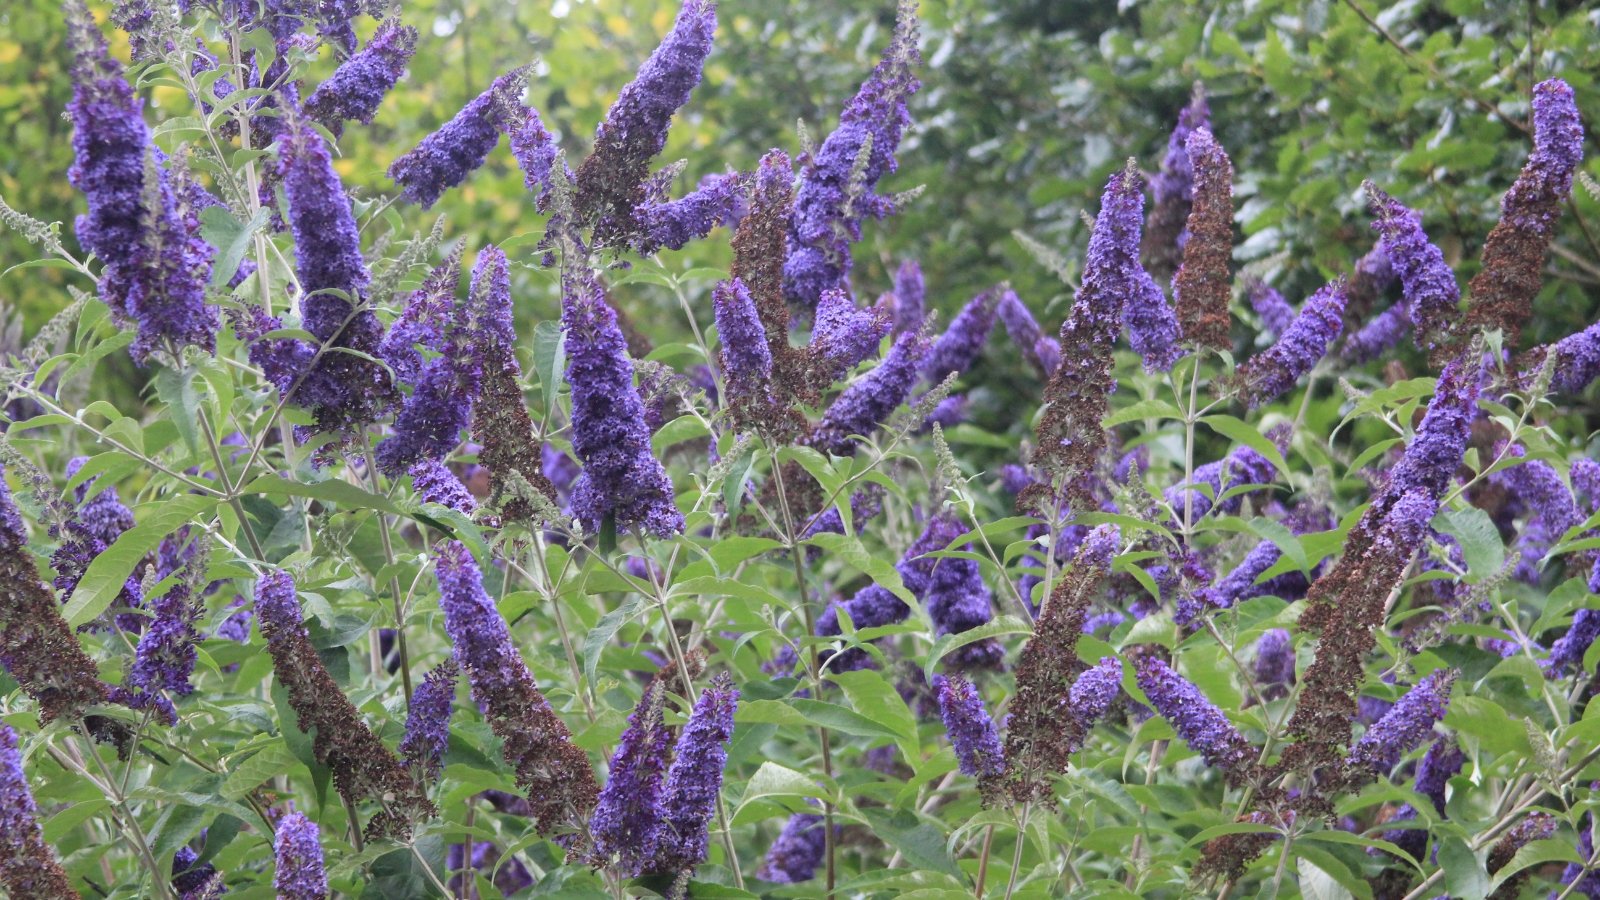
(645, 528)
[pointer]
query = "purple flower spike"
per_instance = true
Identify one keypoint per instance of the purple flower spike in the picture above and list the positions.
(555, 773)
(910, 297)
(627, 821)
(1379, 335)
(621, 480)
(1095, 690)
(1434, 454)
(672, 225)
(843, 335)
(1514, 254)
(1196, 719)
(155, 272)
(446, 157)
(868, 401)
(1406, 725)
(166, 654)
(535, 150)
(1025, 333)
(971, 730)
(298, 849)
(435, 483)
(746, 358)
(956, 349)
(1275, 659)
(611, 182)
(1152, 324)
(428, 719)
(1069, 433)
(27, 868)
(838, 184)
(1275, 312)
(689, 796)
(1172, 190)
(797, 853)
(343, 390)
(355, 89)
(953, 592)
(1431, 293)
(1568, 651)
(1303, 343)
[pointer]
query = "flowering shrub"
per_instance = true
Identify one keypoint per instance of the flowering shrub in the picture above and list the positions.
(574, 608)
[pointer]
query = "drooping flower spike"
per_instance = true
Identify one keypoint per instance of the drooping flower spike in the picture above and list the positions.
(1268, 374)
(428, 719)
(446, 157)
(1197, 720)
(1431, 294)
(355, 89)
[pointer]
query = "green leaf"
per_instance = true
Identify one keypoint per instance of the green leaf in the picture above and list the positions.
(606, 629)
(998, 627)
(1536, 853)
(773, 780)
(683, 428)
(273, 760)
(1144, 409)
(917, 839)
(850, 549)
(1464, 874)
(232, 239)
(1481, 546)
(1334, 836)
(333, 490)
(875, 698)
(176, 390)
(1245, 433)
(110, 570)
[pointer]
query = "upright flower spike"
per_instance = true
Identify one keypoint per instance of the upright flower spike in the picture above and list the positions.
(550, 768)
(1095, 690)
(911, 298)
(37, 646)
(1172, 190)
(962, 341)
(1197, 720)
(797, 853)
(428, 719)
(363, 768)
(1431, 295)
(627, 821)
(689, 796)
(1275, 312)
(1071, 438)
(611, 180)
(1153, 330)
(1268, 374)
(1039, 740)
(297, 848)
(971, 731)
(344, 390)
(355, 89)
(953, 592)
(446, 157)
(869, 400)
(621, 480)
(1405, 726)
(745, 358)
(473, 338)
(27, 868)
(838, 185)
(1513, 256)
(154, 273)
(1435, 452)
(1203, 284)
